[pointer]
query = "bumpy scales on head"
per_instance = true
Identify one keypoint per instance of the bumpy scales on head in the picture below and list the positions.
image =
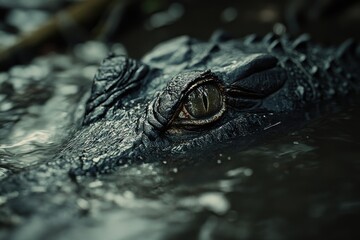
(188, 95)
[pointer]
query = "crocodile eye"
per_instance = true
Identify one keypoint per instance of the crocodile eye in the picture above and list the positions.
(203, 102)
(202, 105)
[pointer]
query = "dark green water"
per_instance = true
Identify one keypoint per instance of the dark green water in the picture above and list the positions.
(301, 185)
(304, 184)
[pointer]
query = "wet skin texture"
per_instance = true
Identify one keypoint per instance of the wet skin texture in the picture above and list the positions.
(138, 109)
(186, 97)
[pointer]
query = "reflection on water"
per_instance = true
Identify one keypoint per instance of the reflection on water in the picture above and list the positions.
(42, 103)
(305, 184)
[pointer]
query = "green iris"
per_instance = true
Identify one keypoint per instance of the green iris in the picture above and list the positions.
(204, 101)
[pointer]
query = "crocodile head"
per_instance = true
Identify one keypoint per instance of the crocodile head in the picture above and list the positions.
(184, 97)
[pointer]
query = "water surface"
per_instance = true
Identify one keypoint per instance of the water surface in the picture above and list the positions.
(304, 184)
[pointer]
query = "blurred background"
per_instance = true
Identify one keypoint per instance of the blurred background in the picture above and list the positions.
(30, 28)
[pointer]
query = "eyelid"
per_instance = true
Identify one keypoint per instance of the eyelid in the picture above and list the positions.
(201, 82)
(166, 107)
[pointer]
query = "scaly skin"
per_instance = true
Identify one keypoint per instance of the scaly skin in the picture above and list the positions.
(133, 114)
(265, 82)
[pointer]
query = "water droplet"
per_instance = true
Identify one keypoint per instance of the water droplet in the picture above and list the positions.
(3, 200)
(313, 69)
(129, 194)
(331, 91)
(82, 203)
(96, 159)
(300, 90)
(95, 184)
(6, 106)
(240, 171)
(302, 57)
(68, 89)
(38, 189)
(248, 172)
(215, 202)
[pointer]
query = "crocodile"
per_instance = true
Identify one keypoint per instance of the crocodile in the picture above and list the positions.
(187, 97)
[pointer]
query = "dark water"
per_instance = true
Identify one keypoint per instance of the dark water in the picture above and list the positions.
(305, 184)
(301, 185)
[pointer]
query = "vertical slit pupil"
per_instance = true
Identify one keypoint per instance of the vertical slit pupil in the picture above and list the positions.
(205, 101)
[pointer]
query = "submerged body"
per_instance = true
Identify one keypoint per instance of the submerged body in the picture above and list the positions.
(184, 98)
(188, 96)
